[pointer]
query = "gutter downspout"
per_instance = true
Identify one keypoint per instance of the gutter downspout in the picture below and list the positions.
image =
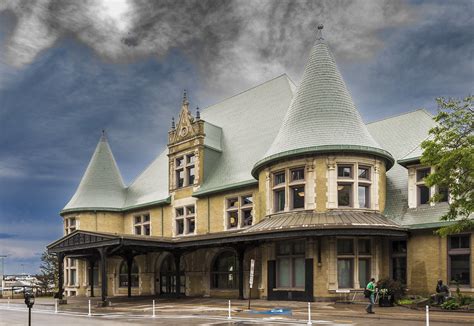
(208, 215)
(162, 221)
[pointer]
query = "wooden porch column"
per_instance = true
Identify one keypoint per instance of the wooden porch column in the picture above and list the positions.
(91, 275)
(103, 272)
(177, 263)
(240, 257)
(60, 276)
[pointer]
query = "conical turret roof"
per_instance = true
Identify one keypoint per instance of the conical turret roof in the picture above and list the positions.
(322, 117)
(102, 185)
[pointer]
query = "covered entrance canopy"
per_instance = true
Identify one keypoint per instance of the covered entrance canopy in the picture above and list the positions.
(93, 246)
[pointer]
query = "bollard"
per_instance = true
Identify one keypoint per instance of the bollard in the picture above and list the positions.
(89, 314)
(154, 309)
(8, 306)
(56, 306)
(229, 316)
(427, 316)
(309, 315)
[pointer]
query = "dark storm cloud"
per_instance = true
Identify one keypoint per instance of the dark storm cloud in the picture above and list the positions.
(233, 42)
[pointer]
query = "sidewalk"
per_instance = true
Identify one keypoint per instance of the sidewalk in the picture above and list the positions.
(219, 307)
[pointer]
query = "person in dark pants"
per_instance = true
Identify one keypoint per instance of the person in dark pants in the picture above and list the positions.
(442, 293)
(371, 287)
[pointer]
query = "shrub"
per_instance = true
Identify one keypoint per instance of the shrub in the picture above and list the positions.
(395, 288)
(405, 301)
(450, 304)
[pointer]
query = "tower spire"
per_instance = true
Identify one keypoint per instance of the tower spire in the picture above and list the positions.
(319, 33)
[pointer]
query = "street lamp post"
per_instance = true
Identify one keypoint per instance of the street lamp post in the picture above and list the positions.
(29, 301)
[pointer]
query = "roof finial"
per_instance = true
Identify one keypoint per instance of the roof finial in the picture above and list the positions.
(198, 115)
(172, 123)
(103, 137)
(185, 98)
(319, 33)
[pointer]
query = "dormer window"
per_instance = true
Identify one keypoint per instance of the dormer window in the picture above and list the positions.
(185, 171)
(423, 192)
(289, 185)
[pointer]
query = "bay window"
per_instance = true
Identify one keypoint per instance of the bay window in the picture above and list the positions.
(289, 185)
(353, 189)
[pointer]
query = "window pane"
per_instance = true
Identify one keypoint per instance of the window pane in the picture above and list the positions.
(138, 230)
(232, 202)
(233, 219)
(344, 171)
(399, 247)
(247, 216)
(191, 158)
(190, 210)
(364, 247)
(344, 273)
(298, 197)
(190, 172)
(180, 178)
(146, 229)
(299, 247)
(247, 200)
(364, 272)
(284, 248)
(364, 173)
(443, 191)
(279, 200)
(297, 174)
(72, 222)
(298, 272)
(423, 195)
(460, 271)
(179, 161)
(146, 218)
(283, 269)
(345, 246)
(179, 226)
(364, 196)
(399, 269)
(191, 225)
(72, 279)
(422, 173)
(344, 195)
(138, 219)
(279, 178)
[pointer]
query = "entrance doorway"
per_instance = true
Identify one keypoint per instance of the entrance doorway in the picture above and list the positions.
(167, 279)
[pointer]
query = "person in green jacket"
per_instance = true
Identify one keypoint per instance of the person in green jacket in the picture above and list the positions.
(371, 288)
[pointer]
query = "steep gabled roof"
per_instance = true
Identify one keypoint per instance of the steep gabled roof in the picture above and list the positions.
(102, 184)
(322, 116)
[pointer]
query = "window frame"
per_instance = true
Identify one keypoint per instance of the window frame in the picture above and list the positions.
(420, 183)
(287, 188)
(459, 252)
(292, 256)
(355, 257)
(124, 283)
(354, 181)
(216, 273)
(186, 219)
(188, 164)
(239, 208)
(144, 221)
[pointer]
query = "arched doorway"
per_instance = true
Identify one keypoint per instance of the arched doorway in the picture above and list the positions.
(167, 278)
(224, 271)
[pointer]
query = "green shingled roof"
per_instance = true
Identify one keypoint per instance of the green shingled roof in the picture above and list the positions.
(322, 116)
(102, 185)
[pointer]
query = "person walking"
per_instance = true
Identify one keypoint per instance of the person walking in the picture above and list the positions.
(371, 288)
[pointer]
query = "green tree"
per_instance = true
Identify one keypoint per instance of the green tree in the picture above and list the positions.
(450, 150)
(49, 269)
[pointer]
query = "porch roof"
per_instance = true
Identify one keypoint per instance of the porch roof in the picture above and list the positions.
(278, 226)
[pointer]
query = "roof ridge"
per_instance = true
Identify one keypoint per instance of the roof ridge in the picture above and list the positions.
(399, 115)
(247, 90)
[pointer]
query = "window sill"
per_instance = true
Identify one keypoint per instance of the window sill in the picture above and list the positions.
(289, 289)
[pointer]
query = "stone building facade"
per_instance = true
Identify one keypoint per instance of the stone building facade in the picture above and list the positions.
(288, 176)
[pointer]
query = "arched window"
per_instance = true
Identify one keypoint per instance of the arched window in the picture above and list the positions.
(224, 271)
(123, 274)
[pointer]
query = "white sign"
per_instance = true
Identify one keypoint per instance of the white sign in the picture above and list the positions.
(252, 268)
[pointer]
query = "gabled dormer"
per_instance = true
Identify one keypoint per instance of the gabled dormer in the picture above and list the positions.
(185, 149)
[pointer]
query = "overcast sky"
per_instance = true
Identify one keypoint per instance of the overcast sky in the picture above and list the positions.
(69, 69)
